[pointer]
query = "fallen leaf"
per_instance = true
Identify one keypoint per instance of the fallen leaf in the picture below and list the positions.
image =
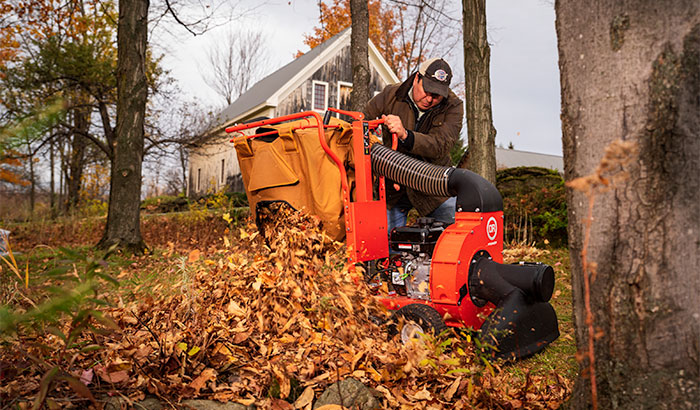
(234, 308)
(423, 395)
(86, 376)
(206, 375)
(306, 397)
(246, 402)
(277, 404)
(113, 377)
(194, 255)
(285, 385)
(241, 337)
(346, 300)
(453, 388)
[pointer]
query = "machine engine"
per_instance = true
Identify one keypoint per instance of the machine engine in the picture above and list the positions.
(409, 270)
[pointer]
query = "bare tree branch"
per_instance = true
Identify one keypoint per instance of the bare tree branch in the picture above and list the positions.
(185, 25)
(237, 63)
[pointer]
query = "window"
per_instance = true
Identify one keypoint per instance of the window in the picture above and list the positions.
(319, 98)
(222, 172)
(344, 90)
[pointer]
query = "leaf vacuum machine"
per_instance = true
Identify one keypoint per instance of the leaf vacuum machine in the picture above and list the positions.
(437, 275)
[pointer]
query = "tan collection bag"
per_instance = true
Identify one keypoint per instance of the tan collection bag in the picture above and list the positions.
(293, 167)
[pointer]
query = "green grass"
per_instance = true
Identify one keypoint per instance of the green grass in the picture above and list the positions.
(137, 276)
(560, 356)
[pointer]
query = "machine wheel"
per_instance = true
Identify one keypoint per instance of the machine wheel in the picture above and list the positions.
(415, 319)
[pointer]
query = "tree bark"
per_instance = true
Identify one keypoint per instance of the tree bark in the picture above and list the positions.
(481, 154)
(32, 187)
(52, 190)
(359, 54)
(123, 218)
(631, 72)
(183, 169)
(81, 123)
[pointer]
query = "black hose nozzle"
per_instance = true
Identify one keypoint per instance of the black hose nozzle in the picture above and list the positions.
(492, 281)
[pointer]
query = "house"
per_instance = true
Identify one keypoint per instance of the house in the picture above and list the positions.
(319, 79)
(511, 158)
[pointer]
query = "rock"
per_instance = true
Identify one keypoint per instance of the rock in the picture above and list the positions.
(212, 405)
(152, 403)
(354, 394)
(118, 403)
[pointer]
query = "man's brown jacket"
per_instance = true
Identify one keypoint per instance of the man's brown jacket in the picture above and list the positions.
(429, 140)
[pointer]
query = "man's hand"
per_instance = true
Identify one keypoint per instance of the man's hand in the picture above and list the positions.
(393, 123)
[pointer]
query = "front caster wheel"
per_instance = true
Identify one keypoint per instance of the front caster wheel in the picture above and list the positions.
(415, 320)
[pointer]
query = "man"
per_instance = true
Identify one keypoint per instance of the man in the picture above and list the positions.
(426, 117)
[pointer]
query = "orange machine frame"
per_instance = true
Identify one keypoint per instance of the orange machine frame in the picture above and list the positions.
(366, 236)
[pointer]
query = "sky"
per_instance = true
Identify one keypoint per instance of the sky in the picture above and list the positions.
(524, 71)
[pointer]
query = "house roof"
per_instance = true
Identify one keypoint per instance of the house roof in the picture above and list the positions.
(273, 88)
(511, 158)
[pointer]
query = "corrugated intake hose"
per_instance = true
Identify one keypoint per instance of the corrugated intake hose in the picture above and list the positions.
(474, 193)
(421, 176)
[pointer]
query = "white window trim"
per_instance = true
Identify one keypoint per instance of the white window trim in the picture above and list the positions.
(313, 95)
(337, 100)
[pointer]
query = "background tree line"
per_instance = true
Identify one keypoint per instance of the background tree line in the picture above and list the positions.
(59, 62)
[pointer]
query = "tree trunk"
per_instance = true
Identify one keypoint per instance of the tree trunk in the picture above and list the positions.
(62, 171)
(81, 123)
(631, 72)
(52, 190)
(359, 38)
(183, 169)
(32, 188)
(477, 59)
(123, 218)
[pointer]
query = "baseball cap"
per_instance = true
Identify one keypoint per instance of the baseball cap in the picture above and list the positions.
(437, 75)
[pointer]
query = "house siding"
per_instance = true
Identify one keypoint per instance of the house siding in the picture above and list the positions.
(205, 169)
(338, 68)
(297, 101)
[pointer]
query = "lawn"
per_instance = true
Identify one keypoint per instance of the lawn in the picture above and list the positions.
(215, 312)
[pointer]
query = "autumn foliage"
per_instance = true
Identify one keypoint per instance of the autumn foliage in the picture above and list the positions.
(41, 20)
(265, 321)
(10, 169)
(383, 29)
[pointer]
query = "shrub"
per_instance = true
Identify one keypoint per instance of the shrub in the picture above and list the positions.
(166, 203)
(534, 202)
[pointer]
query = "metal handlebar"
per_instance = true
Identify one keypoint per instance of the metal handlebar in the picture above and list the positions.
(321, 137)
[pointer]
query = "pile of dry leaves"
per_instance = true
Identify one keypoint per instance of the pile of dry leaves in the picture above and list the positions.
(262, 320)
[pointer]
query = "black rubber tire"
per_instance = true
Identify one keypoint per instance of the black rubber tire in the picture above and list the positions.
(425, 317)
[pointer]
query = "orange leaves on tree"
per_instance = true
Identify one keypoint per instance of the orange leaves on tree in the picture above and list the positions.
(8, 173)
(335, 17)
(94, 182)
(43, 19)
